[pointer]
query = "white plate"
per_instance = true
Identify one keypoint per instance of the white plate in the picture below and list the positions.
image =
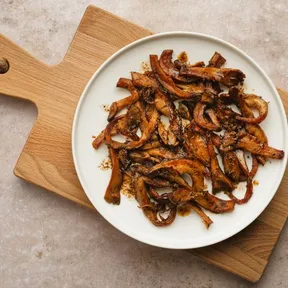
(90, 119)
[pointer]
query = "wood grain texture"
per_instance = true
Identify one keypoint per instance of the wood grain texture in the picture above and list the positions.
(46, 159)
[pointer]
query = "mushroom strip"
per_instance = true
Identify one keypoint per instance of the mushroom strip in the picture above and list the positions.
(204, 199)
(112, 194)
(192, 167)
(258, 103)
(119, 105)
(133, 144)
(217, 60)
(226, 76)
(143, 81)
(219, 181)
(249, 185)
(149, 209)
(168, 67)
(214, 204)
(167, 81)
(195, 144)
(206, 219)
(175, 125)
(253, 145)
(201, 120)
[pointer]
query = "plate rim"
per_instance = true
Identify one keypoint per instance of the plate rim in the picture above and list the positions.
(135, 43)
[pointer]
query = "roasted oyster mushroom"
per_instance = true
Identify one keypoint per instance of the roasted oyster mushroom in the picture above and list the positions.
(226, 76)
(179, 157)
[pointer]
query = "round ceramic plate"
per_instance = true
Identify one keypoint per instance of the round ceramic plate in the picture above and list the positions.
(90, 119)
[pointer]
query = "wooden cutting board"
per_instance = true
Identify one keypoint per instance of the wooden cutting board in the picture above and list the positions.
(46, 159)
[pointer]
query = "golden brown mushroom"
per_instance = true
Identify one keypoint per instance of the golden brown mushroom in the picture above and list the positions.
(253, 145)
(219, 181)
(167, 81)
(217, 60)
(149, 209)
(112, 194)
(226, 76)
(201, 120)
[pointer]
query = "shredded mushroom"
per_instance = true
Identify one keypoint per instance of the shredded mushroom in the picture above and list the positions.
(162, 155)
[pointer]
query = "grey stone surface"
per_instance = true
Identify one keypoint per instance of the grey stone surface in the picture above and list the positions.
(47, 241)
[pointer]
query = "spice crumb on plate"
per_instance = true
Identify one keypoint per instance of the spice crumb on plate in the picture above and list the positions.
(255, 182)
(126, 188)
(184, 210)
(105, 164)
(145, 67)
(105, 107)
(183, 57)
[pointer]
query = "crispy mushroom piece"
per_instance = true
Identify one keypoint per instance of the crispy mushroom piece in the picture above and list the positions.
(204, 199)
(258, 132)
(254, 168)
(98, 140)
(214, 204)
(143, 81)
(212, 115)
(146, 134)
(256, 102)
(195, 143)
(208, 97)
(148, 95)
(253, 145)
(227, 117)
(165, 153)
(181, 196)
(166, 135)
(226, 76)
(168, 66)
(149, 209)
(161, 104)
(173, 176)
(175, 124)
(253, 129)
(158, 182)
(192, 167)
(142, 157)
(163, 198)
(205, 219)
(242, 162)
(128, 125)
(217, 60)
(140, 168)
(219, 181)
(151, 145)
(167, 81)
(216, 140)
(121, 104)
(169, 111)
(231, 166)
(201, 120)
(228, 141)
(248, 194)
(112, 194)
(178, 64)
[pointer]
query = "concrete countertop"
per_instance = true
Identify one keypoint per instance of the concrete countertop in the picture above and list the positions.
(47, 241)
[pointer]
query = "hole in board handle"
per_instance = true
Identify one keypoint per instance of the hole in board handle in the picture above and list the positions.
(4, 66)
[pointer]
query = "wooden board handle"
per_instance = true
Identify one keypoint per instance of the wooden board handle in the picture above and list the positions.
(25, 72)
